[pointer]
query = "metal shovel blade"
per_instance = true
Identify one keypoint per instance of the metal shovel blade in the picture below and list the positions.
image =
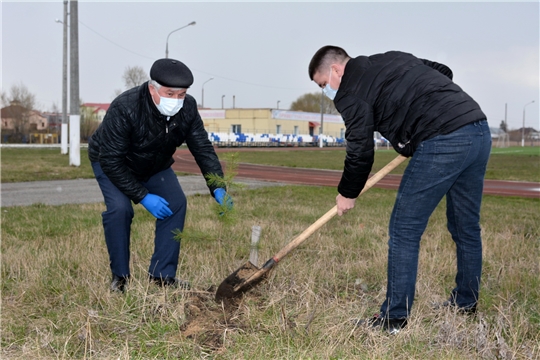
(238, 282)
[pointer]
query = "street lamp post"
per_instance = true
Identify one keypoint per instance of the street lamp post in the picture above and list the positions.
(202, 92)
(222, 96)
(523, 128)
(167, 43)
(278, 104)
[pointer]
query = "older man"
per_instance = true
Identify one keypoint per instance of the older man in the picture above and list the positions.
(414, 104)
(131, 155)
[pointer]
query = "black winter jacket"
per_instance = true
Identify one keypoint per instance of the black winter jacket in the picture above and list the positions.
(406, 99)
(135, 141)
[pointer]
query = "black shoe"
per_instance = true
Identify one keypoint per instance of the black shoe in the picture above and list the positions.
(118, 283)
(465, 310)
(392, 326)
(171, 282)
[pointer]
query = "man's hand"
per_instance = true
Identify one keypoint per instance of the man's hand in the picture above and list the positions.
(344, 204)
(157, 206)
(223, 198)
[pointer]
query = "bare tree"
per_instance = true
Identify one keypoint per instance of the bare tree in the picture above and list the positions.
(20, 95)
(21, 102)
(3, 99)
(134, 76)
(312, 103)
(89, 122)
(502, 126)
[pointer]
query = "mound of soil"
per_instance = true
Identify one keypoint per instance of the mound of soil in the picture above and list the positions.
(207, 321)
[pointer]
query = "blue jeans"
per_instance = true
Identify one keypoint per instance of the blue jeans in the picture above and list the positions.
(453, 165)
(119, 215)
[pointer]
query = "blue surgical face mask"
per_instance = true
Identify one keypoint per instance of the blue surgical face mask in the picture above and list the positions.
(169, 106)
(328, 91)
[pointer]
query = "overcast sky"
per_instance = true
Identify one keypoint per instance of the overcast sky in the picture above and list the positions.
(259, 52)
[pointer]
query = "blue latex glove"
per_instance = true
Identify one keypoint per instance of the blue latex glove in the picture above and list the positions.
(157, 206)
(223, 198)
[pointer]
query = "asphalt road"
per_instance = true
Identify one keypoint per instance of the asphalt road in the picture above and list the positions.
(83, 191)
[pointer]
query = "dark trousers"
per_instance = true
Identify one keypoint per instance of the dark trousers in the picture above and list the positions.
(454, 166)
(119, 215)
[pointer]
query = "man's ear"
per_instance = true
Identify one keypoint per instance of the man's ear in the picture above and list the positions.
(337, 69)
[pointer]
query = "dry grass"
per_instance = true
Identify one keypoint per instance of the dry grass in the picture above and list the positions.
(56, 303)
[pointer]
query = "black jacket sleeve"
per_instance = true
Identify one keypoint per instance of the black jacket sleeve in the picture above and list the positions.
(358, 117)
(443, 69)
(114, 148)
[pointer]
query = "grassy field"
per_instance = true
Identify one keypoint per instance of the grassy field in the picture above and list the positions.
(41, 164)
(518, 164)
(56, 303)
(55, 277)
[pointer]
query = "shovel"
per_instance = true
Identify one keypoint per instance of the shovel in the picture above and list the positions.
(249, 275)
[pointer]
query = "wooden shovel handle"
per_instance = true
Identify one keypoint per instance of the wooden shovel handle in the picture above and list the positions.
(332, 212)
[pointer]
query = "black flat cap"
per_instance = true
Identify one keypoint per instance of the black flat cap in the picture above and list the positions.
(171, 73)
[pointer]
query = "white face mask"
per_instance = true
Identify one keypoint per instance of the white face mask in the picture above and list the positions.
(328, 91)
(169, 106)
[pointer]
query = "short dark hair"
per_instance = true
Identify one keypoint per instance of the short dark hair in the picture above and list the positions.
(324, 56)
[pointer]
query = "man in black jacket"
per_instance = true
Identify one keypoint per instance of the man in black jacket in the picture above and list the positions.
(131, 155)
(414, 104)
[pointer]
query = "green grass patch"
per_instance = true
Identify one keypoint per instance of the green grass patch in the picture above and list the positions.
(56, 302)
(40, 164)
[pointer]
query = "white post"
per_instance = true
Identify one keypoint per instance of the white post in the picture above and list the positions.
(64, 138)
(74, 107)
(75, 140)
(254, 251)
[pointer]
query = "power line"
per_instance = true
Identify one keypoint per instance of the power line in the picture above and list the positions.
(112, 42)
(204, 72)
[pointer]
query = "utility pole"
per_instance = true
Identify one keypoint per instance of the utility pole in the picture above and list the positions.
(322, 120)
(523, 127)
(505, 118)
(74, 117)
(64, 128)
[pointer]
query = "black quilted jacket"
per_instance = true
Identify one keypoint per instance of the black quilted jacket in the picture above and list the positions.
(407, 99)
(135, 141)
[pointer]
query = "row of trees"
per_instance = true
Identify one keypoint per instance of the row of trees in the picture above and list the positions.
(20, 112)
(19, 105)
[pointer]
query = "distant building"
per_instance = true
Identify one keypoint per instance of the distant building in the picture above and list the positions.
(100, 109)
(497, 132)
(18, 119)
(271, 121)
(54, 120)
